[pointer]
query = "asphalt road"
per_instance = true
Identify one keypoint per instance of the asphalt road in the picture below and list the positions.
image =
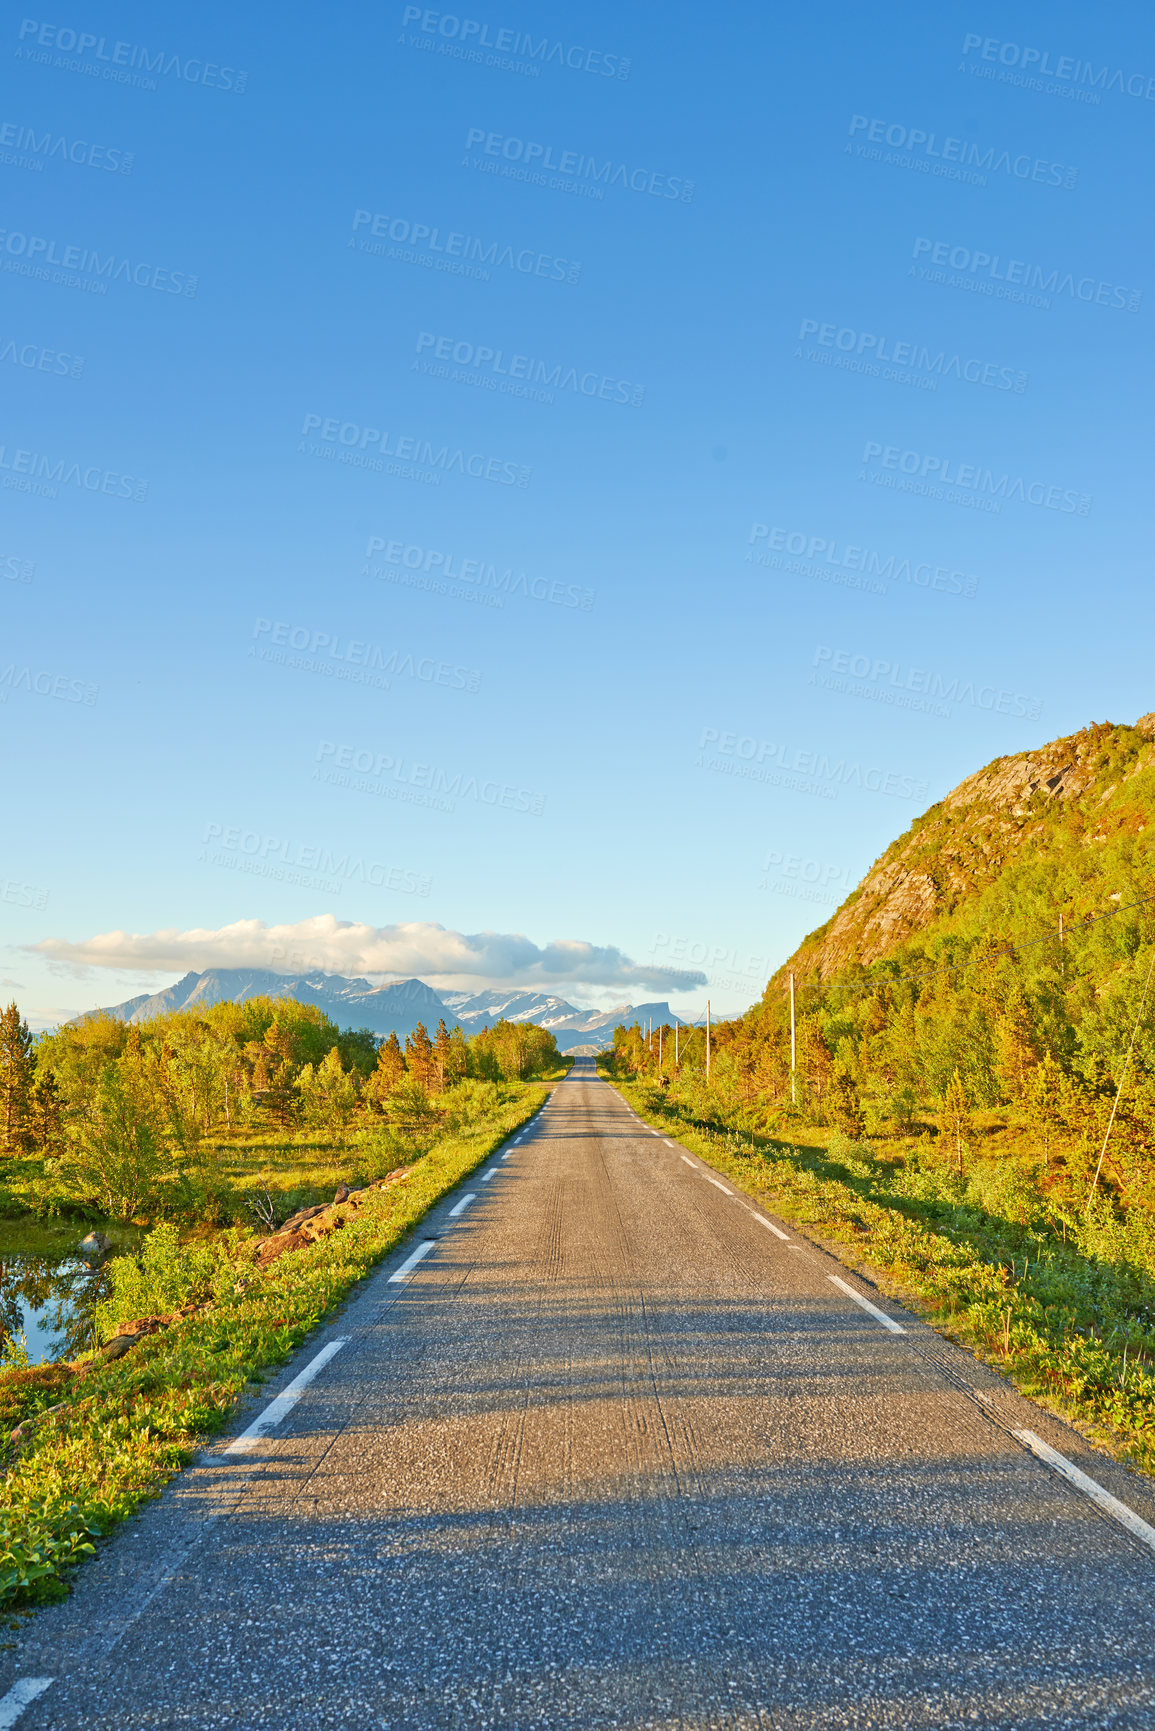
(615, 1453)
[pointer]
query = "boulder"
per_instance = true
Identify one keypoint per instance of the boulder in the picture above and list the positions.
(298, 1219)
(95, 1245)
(277, 1245)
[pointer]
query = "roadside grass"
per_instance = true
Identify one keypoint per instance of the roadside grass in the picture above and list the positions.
(104, 1442)
(1064, 1309)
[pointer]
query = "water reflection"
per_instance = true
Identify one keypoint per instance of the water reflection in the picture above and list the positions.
(52, 1300)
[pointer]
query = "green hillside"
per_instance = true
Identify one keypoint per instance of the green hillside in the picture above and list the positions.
(971, 1116)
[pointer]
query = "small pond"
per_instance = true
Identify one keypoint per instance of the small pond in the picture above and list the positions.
(47, 1289)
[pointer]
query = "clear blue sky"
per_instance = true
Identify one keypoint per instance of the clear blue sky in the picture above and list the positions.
(827, 333)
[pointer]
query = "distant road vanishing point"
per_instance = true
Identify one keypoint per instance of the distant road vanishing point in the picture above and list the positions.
(605, 1445)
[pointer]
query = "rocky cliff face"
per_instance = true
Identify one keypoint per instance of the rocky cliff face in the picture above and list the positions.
(960, 846)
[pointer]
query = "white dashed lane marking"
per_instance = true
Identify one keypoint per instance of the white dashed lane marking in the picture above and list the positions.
(463, 1204)
(879, 1315)
(1090, 1487)
(411, 1261)
(23, 1692)
(284, 1403)
(770, 1226)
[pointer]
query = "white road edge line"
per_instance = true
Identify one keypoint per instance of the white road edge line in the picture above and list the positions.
(718, 1185)
(1110, 1505)
(463, 1205)
(687, 1159)
(411, 1261)
(492, 1173)
(283, 1405)
(770, 1226)
(667, 1141)
(23, 1692)
(886, 1321)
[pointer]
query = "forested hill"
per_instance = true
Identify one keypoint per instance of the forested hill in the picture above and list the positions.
(1056, 830)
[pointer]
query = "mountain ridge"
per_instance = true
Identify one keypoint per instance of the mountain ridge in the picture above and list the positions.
(397, 1007)
(1020, 810)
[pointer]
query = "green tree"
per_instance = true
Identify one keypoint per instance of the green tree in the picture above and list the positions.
(955, 1120)
(419, 1056)
(389, 1072)
(15, 1081)
(46, 1114)
(328, 1094)
(442, 1053)
(118, 1158)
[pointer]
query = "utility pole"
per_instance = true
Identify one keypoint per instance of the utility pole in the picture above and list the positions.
(661, 1030)
(707, 1039)
(793, 1050)
(675, 1042)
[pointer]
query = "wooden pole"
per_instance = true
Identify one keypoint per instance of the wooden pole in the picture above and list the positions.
(707, 1039)
(793, 1050)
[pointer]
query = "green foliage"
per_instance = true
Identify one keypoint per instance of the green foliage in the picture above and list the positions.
(1063, 1302)
(137, 1122)
(15, 1081)
(14, 1352)
(162, 1277)
(124, 1428)
(118, 1154)
(38, 1542)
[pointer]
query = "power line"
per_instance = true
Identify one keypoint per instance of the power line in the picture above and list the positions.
(960, 967)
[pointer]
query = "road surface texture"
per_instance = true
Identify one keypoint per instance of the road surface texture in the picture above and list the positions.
(614, 1453)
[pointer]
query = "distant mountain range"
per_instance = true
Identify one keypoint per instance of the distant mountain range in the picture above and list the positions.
(399, 1007)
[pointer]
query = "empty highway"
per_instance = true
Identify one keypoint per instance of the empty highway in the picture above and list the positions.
(615, 1449)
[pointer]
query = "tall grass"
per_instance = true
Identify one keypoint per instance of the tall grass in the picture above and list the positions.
(1062, 1304)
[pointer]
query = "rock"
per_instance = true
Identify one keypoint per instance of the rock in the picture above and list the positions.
(24, 1430)
(342, 1193)
(296, 1220)
(119, 1345)
(96, 1245)
(277, 1246)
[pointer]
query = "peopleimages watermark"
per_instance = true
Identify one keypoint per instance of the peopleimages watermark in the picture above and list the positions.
(1027, 67)
(306, 864)
(389, 776)
(81, 267)
(849, 566)
(488, 368)
(949, 157)
(508, 50)
(708, 957)
(959, 483)
(364, 447)
(13, 569)
(458, 253)
(539, 160)
(38, 683)
(123, 63)
(356, 660)
(905, 362)
(808, 880)
(803, 771)
(879, 680)
(24, 147)
(1014, 279)
(440, 572)
(22, 895)
(33, 472)
(37, 359)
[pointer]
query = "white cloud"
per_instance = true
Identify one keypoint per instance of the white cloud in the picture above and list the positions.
(446, 959)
